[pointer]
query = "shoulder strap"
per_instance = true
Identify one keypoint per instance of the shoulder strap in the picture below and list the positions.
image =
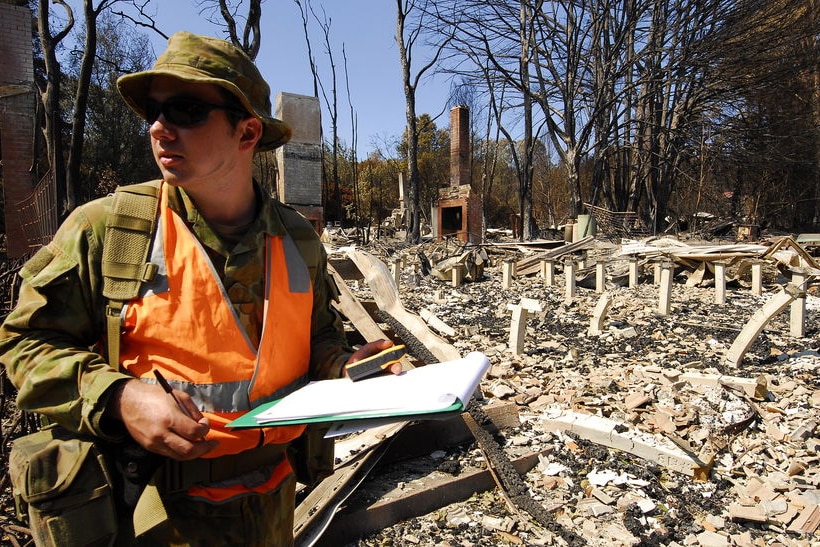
(303, 234)
(129, 230)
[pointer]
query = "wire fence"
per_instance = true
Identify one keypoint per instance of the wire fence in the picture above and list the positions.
(38, 213)
(618, 224)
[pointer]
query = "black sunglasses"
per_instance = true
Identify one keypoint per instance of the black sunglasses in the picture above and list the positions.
(184, 112)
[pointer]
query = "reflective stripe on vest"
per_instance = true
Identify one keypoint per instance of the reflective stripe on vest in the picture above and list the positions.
(185, 326)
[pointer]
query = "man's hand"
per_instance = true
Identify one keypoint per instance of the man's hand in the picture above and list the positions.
(154, 420)
(372, 348)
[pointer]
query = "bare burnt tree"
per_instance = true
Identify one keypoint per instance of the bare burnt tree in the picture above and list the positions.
(141, 15)
(354, 161)
(669, 99)
(243, 30)
(526, 20)
(538, 49)
(91, 14)
(470, 59)
(765, 134)
(314, 71)
(50, 96)
(812, 41)
(66, 168)
(492, 132)
(545, 51)
(116, 150)
(330, 98)
(613, 56)
(621, 82)
(411, 19)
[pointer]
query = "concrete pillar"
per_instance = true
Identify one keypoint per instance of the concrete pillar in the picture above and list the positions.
(518, 329)
(633, 272)
(458, 275)
(395, 269)
(757, 277)
(797, 317)
(300, 160)
(720, 283)
(548, 271)
(755, 325)
(596, 325)
(401, 189)
(665, 292)
(518, 325)
(600, 276)
(507, 274)
(569, 280)
(656, 273)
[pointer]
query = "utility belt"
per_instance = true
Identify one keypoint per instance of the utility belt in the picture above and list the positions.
(175, 477)
(179, 476)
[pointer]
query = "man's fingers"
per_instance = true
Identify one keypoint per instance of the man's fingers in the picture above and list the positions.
(371, 348)
(178, 447)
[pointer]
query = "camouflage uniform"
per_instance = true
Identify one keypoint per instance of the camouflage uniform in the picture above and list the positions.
(51, 344)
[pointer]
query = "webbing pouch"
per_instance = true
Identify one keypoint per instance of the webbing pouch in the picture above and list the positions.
(62, 487)
(129, 229)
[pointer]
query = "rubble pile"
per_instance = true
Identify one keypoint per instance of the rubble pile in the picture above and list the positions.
(643, 435)
(632, 430)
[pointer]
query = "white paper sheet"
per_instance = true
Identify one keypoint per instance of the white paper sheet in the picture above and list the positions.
(429, 388)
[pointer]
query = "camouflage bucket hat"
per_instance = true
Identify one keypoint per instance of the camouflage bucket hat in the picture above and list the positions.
(203, 59)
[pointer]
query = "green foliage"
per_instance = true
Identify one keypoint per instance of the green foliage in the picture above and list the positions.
(117, 149)
(433, 159)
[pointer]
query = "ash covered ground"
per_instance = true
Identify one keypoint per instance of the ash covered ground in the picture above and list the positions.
(764, 450)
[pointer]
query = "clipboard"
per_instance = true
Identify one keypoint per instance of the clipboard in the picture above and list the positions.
(434, 391)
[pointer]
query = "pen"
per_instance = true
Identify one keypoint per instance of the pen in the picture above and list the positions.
(170, 391)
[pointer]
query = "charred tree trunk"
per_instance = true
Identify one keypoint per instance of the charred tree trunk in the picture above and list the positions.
(50, 97)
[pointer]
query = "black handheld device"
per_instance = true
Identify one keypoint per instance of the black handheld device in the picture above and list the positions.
(375, 363)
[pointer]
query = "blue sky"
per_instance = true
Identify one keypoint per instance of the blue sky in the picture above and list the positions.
(366, 28)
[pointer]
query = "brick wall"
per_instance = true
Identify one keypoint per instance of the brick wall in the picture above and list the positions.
(17, 100)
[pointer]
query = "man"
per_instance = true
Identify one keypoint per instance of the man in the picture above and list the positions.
(234, 317)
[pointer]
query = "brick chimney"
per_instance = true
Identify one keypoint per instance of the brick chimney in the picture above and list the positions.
(459, 146)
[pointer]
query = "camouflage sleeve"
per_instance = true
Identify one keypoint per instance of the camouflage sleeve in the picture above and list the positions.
(329, 347)
(47, 342)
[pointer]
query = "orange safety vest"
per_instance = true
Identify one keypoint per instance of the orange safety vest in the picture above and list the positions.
(184, 325)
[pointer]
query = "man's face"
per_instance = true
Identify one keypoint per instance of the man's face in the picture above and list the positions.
(202, 147)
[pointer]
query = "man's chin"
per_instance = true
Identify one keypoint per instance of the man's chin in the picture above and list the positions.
(171, 177)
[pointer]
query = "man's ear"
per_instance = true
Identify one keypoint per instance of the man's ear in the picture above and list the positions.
(251, 129)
